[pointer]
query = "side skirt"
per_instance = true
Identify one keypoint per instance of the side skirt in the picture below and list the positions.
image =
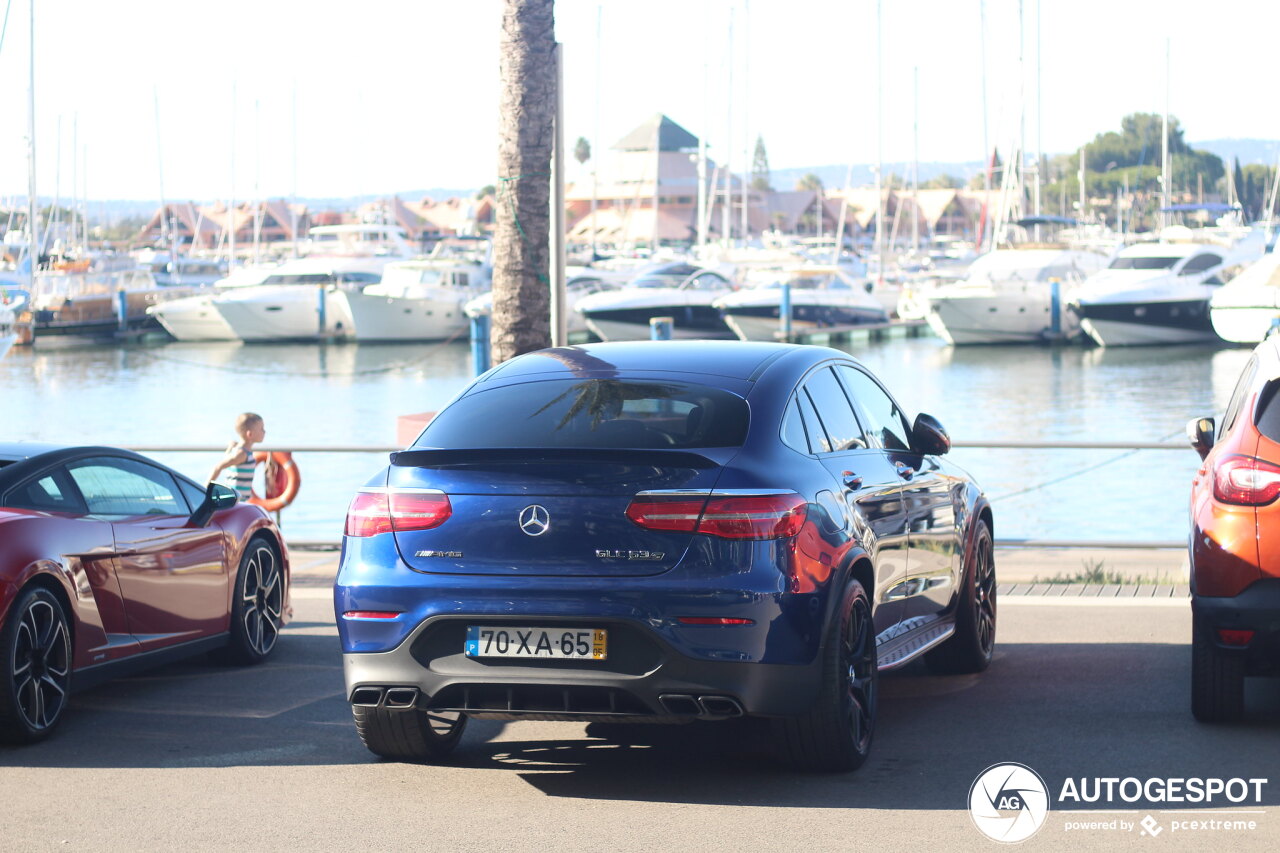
(91, 676)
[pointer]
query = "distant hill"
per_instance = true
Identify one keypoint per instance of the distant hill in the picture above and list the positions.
(864, 174)
(117, 209)
(1247, 150)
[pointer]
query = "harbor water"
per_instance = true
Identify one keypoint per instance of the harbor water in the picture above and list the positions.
(351, 394)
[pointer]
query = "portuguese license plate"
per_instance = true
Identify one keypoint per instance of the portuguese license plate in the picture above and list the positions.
(486, 641)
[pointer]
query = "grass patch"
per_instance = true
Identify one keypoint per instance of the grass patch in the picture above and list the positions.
(1092, 571)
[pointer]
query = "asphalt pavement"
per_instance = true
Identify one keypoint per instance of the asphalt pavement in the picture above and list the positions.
(199, 756)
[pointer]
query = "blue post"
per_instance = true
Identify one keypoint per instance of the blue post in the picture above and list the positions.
(480, 343)
(122, 310)
(660, 328)
(1055, 307)
(784, 311)
(321, 311)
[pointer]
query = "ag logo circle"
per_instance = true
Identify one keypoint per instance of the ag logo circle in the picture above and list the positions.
(1008, 802)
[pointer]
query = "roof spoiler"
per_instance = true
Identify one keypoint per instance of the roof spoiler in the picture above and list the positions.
(479, 456)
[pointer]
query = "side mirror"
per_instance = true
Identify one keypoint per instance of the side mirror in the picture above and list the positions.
(928, 436)
(1200, 434)
(216, 497)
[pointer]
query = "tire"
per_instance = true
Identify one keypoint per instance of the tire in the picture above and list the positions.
(836, 734)
(35, 683)
(258, 604)
(1217, 680)
(970, 648)
(409, 735)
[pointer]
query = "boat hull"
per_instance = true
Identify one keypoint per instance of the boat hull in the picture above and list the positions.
(1148, 323)
(286, 313)
(1006, 318)
(1243, 324)
(396, 318)
(690, 322)
(762, 322)
(193, 319)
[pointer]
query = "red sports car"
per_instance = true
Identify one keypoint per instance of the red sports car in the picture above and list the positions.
(109, 563)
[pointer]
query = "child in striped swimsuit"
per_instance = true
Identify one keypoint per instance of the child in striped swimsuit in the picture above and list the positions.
(239, 463)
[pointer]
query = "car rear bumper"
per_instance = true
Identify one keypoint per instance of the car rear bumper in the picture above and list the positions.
(644, 678)
(1257, 609)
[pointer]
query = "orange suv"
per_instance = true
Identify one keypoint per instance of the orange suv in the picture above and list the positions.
(1235, 541)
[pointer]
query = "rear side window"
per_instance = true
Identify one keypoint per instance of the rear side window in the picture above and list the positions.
(818, 441)
(51, 492)
(1269, 410)
(1237, 397)
(604, 413)
(834, 410)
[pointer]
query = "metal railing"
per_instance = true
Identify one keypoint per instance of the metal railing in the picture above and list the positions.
(981, 444)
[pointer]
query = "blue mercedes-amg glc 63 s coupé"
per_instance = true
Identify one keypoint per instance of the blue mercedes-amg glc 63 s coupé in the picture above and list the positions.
(662, 531)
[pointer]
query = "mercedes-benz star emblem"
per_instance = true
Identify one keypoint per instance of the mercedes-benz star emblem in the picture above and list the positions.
(535, 520)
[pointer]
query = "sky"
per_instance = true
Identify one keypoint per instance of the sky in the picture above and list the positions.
(246, 98)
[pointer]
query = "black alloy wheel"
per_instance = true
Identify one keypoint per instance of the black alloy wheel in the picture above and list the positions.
(836, 734)
(258, 608)
(36, 645)
(971, 647)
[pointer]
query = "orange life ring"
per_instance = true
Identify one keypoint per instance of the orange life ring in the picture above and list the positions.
(281, 488)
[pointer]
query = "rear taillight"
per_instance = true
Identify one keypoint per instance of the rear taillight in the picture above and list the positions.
(778, 516)
(384, 511)
(1246, 480)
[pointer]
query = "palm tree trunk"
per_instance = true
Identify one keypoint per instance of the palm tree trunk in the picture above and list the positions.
(521, 295)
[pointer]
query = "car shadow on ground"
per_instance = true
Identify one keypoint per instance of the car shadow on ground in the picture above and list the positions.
(1066, 710)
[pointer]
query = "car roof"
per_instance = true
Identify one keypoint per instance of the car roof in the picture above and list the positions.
(13, 451)
(734, 359)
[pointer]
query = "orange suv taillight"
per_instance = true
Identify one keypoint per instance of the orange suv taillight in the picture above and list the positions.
(778, 516)
(1246, 480)
(383, 511)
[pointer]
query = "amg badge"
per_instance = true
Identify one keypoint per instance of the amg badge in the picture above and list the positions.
(629, 555)
(438, 554)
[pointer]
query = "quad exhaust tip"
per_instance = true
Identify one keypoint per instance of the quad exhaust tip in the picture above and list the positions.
(682, 705)
(389, 698)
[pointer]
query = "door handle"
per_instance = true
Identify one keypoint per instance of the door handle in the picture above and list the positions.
(905, 471)
(851, 480)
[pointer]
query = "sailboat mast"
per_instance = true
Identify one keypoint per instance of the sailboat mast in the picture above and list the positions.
(879, 147)
(915, 162)
(33, 206)
(746, 106)
(1164, 143)
(726, 215)
(231, 203)
(293, 201)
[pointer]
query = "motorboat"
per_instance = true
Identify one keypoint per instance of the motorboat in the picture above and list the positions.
(305, 299)
(1012, 295)
(580, 282)
(422, 299)
(1159, 292)
(819, 298)
(299, 300)
(193, 318)
(182, 270)
(678, 290)
(1247, 308)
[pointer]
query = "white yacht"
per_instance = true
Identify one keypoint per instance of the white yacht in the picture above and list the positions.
(1158, 293)
(681, 291)
(182, 270)
(299, 300)
(422, 299)
(193, 318)
(580, 282)
(820, 298)
(305, 299)
(1012, 295)
(1245, 309)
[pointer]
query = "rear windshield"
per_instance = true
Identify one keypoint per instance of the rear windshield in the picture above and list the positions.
(605, 413)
